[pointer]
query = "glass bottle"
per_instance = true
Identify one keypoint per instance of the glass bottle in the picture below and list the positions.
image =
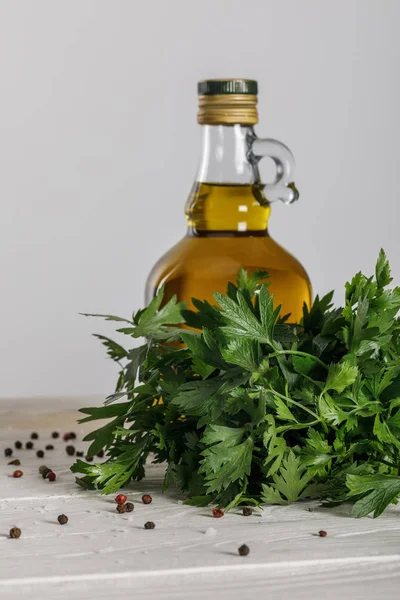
(228, 207)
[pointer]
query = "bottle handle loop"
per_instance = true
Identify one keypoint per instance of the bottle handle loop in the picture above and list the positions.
(282, 188)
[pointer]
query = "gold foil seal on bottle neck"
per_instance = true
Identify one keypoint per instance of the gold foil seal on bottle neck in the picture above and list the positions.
(227, 101)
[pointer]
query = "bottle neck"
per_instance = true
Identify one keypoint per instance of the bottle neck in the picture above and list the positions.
(224, 155)
(227, 196)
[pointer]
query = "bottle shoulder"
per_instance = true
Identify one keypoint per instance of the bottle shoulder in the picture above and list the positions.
(195, 254)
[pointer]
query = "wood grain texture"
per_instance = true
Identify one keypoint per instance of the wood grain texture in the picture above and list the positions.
(101, 553)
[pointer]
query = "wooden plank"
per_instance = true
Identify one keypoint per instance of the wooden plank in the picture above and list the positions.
(99, 552)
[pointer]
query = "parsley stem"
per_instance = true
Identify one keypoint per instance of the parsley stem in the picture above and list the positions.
(299, 353)
(386, 462)
(310, 412)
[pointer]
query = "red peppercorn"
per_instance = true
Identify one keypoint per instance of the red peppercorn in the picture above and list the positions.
(51, 476)
(147, 499)
(17, 473)
(322, 533)
(120, 499)
(217, 513)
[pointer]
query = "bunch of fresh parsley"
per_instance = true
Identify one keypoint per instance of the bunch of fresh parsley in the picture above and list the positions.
(245, 408)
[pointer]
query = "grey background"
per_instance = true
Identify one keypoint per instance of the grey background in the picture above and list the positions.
(99, 145)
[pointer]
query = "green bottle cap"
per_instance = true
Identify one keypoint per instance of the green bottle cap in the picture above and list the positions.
(213, 87)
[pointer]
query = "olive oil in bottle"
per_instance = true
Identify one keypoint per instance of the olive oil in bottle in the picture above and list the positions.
(228, 208)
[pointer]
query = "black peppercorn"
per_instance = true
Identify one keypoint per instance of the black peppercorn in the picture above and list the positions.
(247, 511)
(8, 451)
(55, 435)
(15, 533)
(70, 450)
(79, 453)
(40, 453)
(121, 508)
(34, 436)
(322, 533)
(16, 462)
(62, 519)
(89, 458)
(129, 507)
(100, 454)
(18, 445)
(149, 525)
(147, 499)
(45, 472)
(49, 447)
(29, 445)
(243, 550)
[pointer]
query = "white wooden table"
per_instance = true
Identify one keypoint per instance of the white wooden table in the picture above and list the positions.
(101, 554)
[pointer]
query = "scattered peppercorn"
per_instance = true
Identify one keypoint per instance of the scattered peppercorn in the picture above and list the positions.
(49, 447)
(147, 499)
(79, 453)
(17, 473)
(121, 508)
(217, 513)
(18, 445)
(40, 453)
(243, 550)
(309, 510)
(8, 451)
(62, 519)
(120, 499)
(46, 472)
(69, 436)
(55, 435)
(15, 533)
(51, 476)
(322, 533)
(43, 468)
(34, 436)
(247, 511)
(149, 525)
(15, 462)
(29, 445)
(70, 450)
(100, 454)
(89, 458)
(129, 507)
